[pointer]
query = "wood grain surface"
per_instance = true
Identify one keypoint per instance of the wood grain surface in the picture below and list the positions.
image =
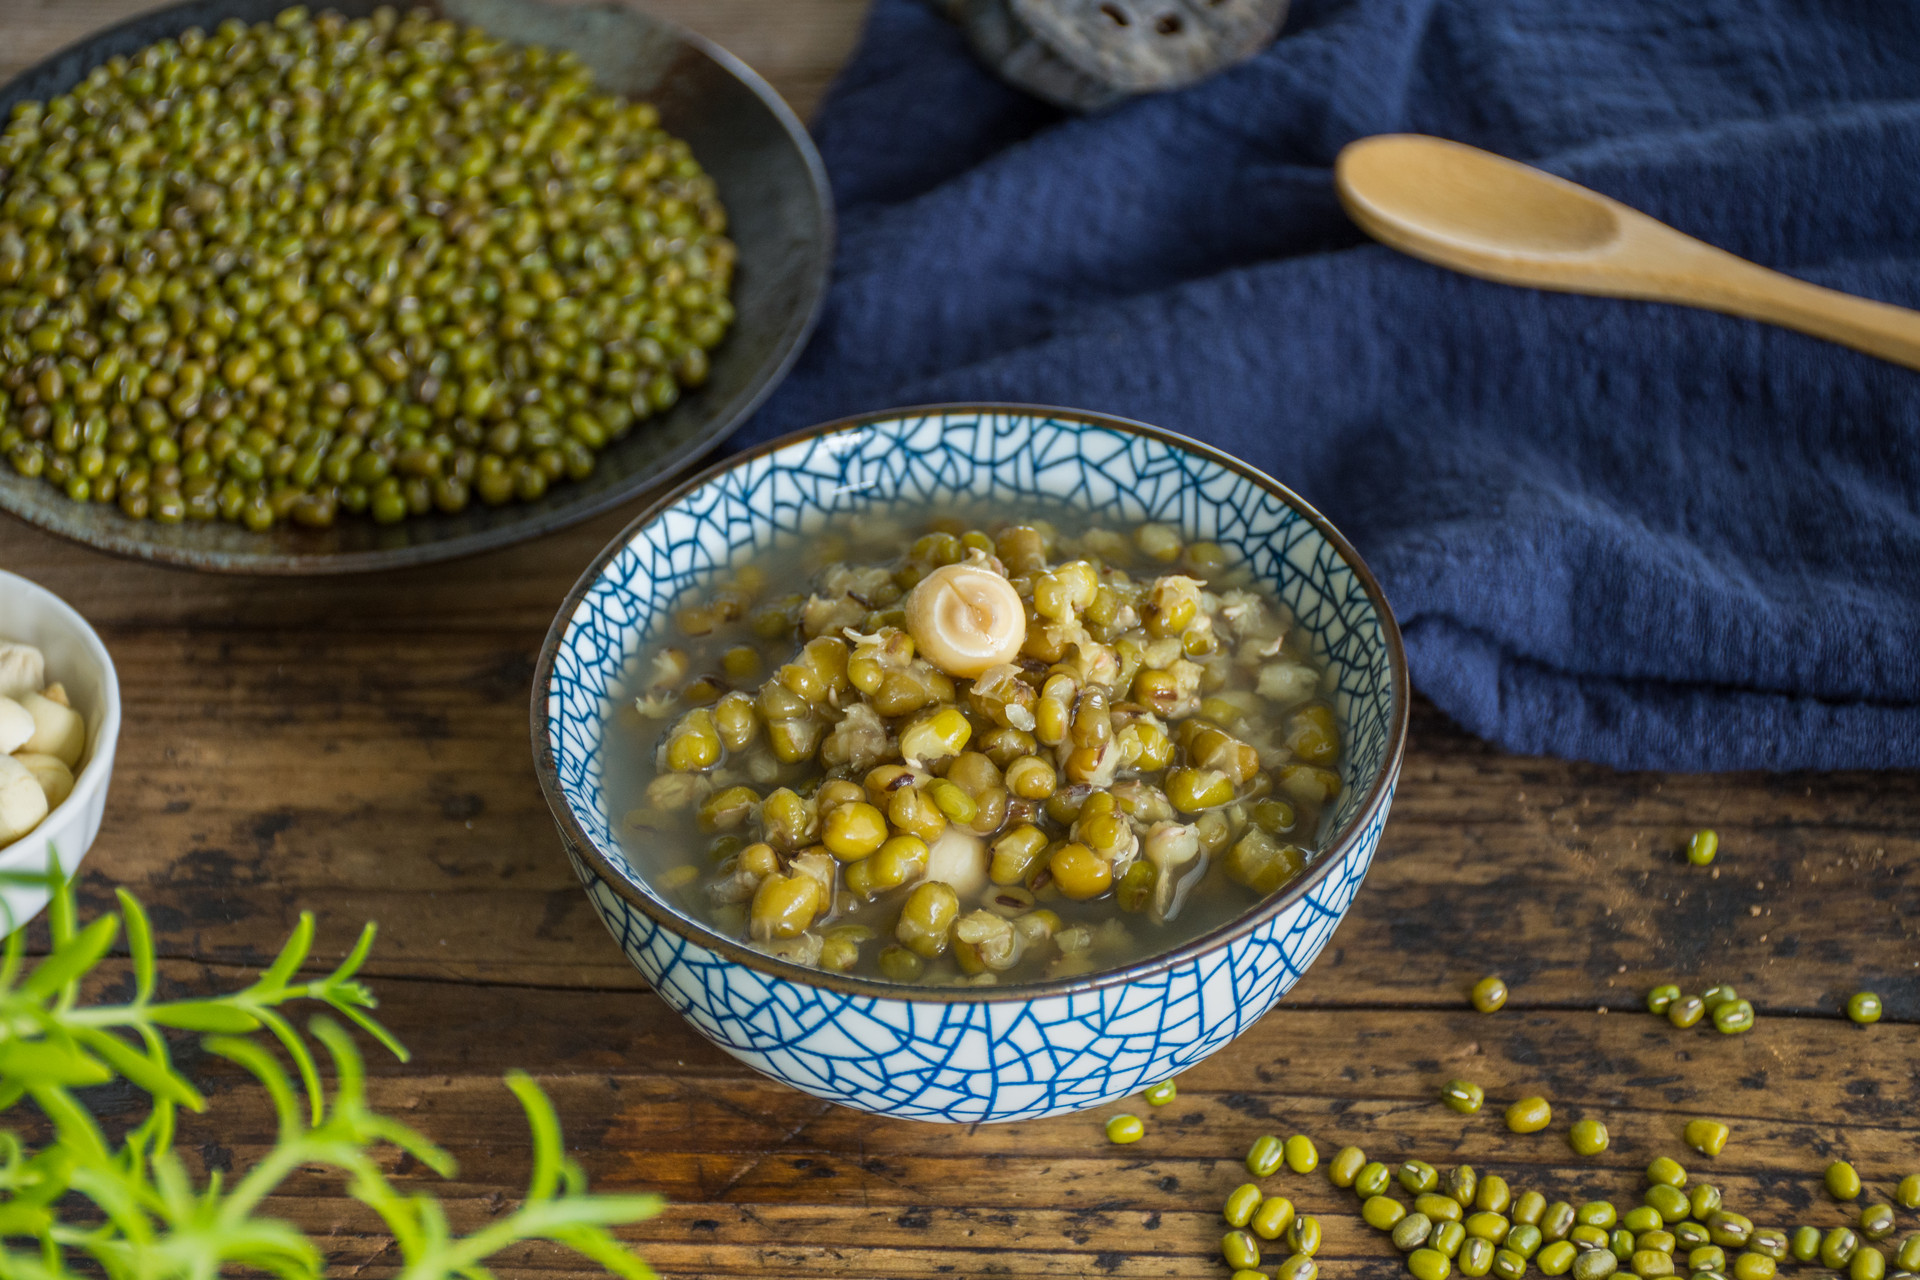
(358, 748)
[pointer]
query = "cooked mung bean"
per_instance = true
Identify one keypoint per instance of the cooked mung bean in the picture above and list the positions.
(1127, 758)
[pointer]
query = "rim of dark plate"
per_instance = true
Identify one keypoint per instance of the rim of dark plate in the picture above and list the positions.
(583, 846)
(109, 537)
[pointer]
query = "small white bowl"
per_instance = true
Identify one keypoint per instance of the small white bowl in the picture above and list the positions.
(76, 658)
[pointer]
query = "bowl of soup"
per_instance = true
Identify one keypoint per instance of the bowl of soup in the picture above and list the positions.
(975, 762)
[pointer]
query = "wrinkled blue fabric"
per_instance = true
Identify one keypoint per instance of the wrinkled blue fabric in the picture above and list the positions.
(1615, 531)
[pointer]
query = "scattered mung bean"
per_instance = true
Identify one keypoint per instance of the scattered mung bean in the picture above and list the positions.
(1240, 1249)
(1372, 1180)
(1303, 1235)
(1476, 1257)
(1842, 1182)
(1241, 1202)
(1489, 994)
(1686, 1011)
(1864, 1007)
(1265, 1157)
(1587, 1137)
(1668, 1171)
(1702, 845)
(1346, 1166)
(1273, 1219)
(1431, 1264)
(1708, 1137)
(1463, 1096)
(1159, 1095)
(1876, 1221)
(1529, 1115)
(1661, 998)
(1382, 1213)
(1302, 1156)
(1838, 1246)
(1556, 1258)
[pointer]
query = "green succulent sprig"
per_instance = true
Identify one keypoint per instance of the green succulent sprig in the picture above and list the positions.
(70, 1197)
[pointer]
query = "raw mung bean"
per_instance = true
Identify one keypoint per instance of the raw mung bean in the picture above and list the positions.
(1868, 1264)
(1556, 1258)
(1864, 1007)
(1670, 1203)
(1587, 1137)
(1460, 1183)
(1702, 845)
(1418, 1176)
(1431, 1264)
(1489, 994)
(1703, 1198)
(1661, 998)
(1487, 1225)
(1301, 1155)
(1842, 1182)
(1770, 1241)
(1372, 1180)
(1557, 1220)
(1876, 1221)
(1411, 1232)
(1273, 1218)
(1241, 1202)
(1382, 1213)
(1441, 1208)
(1907, 1257)
(1346, 1166)
(1125, 1129)
(1642, 1218)
(1529, 1115)
(1907, 1194)
(1265, 1156)
(1159, 1095)
(1447, 1238)
(1804, 1244)
(1597, 1213)
(1240, 1249)
(1838, 1246)
(1476, 1257)
(1594, 1264)
(1752, 1266)
(1734, 1017)
(1463, 1096)
(1667, 1170)
(1493, 1194)
(1524, 1239)
(1686, 1011)
(1303, 1235)
(1508, 1265)
(1708, 1137)
(1297, 1267)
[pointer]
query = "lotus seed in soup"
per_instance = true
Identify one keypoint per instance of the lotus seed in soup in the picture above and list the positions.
(1002, 748)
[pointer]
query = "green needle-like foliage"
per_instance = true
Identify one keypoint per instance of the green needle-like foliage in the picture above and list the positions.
(75, 1202)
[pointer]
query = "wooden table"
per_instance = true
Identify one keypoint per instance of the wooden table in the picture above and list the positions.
(358, 748)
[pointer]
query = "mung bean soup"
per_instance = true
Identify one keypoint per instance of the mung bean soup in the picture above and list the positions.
(974, 750)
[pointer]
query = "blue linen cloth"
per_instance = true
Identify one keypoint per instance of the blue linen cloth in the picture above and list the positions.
(1616, 531)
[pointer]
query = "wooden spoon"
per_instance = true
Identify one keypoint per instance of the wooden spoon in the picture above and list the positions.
(1473, 211)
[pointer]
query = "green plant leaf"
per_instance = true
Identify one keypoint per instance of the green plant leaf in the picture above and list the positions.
(71, 958)
(204, 1015)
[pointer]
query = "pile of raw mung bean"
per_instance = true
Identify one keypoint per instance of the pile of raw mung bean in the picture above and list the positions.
(1458, 1219)
(391, 265)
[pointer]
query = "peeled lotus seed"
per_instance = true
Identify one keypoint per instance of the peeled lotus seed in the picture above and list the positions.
(22, 803)
(958, 858)
(55, 779)
(965, 618)
(23, 669)
(58, 731)
(16, 725)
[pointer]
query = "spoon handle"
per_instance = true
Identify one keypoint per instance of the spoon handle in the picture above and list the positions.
(1703, 276)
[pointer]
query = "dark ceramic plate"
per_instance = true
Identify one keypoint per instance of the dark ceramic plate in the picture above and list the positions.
(781, 216)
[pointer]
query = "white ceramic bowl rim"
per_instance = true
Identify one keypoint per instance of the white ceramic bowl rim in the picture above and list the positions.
(93, 774)
(560, 801)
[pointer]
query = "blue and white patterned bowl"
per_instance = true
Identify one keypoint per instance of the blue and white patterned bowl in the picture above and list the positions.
(970, 1054)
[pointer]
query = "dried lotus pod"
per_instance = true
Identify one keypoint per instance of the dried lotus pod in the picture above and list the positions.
(1088, 54)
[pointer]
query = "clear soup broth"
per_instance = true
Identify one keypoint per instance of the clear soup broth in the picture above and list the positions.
(833, 755)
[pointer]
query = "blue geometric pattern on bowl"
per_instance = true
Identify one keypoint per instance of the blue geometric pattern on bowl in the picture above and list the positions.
(973, 1054)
